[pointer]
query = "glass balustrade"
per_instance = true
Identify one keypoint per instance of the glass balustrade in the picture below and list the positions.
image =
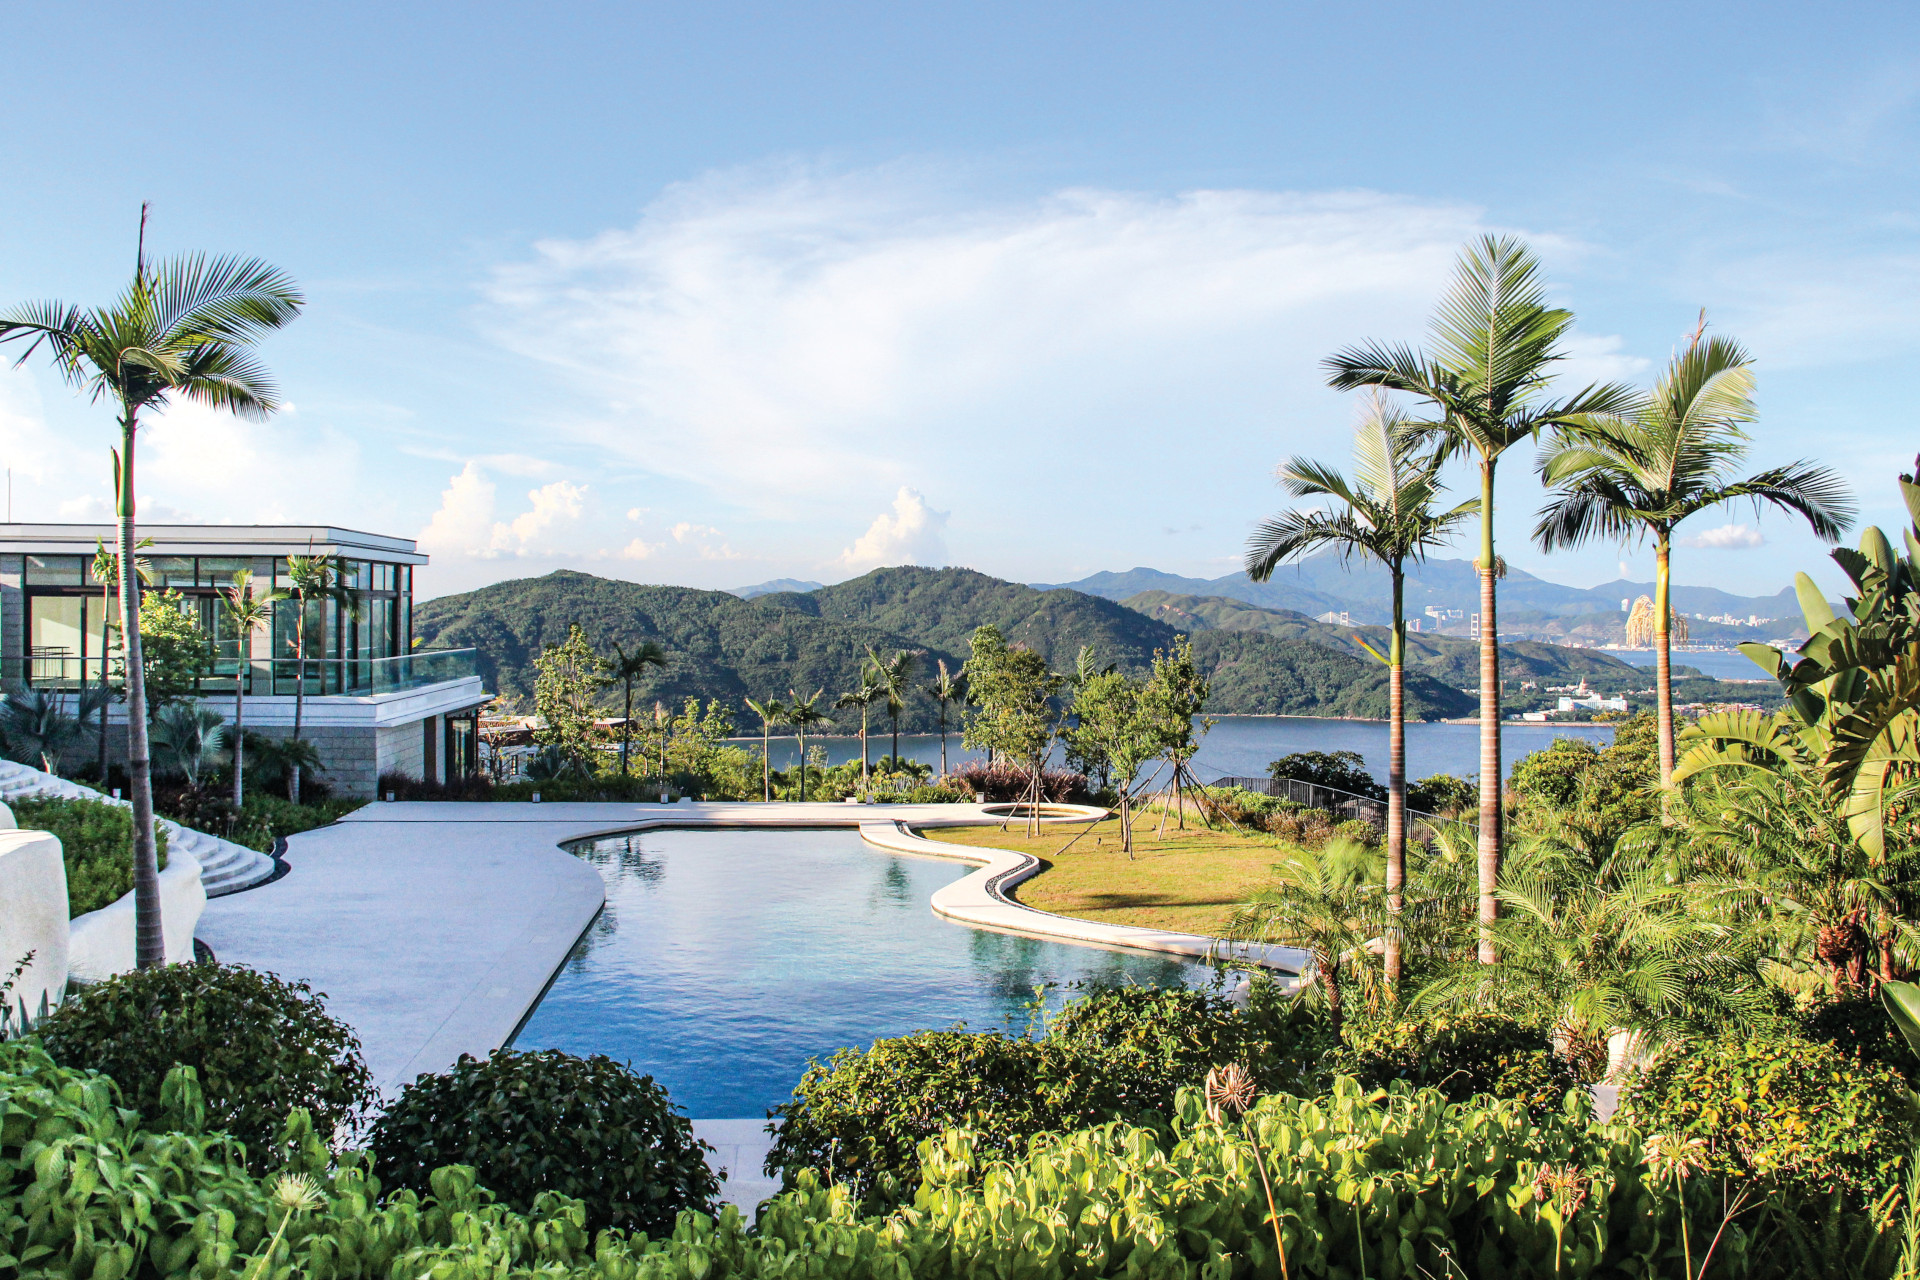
(55, 668)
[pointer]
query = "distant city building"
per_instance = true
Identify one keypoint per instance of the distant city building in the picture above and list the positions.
(374, 703)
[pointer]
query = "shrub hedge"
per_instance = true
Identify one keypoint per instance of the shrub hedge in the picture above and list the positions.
(1460, 1056)
(260, 1046)
(96, 843)
(546, 1121)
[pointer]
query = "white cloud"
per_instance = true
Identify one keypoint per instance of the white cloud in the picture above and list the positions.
(913, 533)
(553, 504)
(784, 337)
(1726, 536)
(640, 550)
(465, 526)
(705, 540)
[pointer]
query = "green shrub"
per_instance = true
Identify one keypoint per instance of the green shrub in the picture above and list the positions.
(1862, 1029)
(1357, 829)
(531, 1123)
(934, 793)
(1443, 793)
(1461, 1056)
(259, 1045)
(265, 818)
(1782, 1108)
(1341, 770)
(1139, 1045)
(96, 843)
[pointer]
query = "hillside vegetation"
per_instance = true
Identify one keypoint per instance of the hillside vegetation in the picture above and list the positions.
(728, 648)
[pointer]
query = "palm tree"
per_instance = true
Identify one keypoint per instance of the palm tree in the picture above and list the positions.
(1386, 513)
(1637, 475)
(314, 578)
(771, 712)
(864, 697)
(185, 328)
(1324, 901)
(1494, 338)
(247, 614)
(803, 714)
(106, 571)
(626, 668)
(895, 676)
(945, 688)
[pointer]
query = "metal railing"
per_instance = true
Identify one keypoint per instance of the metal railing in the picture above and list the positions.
(357, 677)
(1313, 795)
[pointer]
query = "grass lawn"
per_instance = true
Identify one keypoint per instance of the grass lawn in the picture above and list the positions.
(1190, 881)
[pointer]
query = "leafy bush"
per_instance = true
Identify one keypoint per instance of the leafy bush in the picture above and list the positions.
(1782, 1108)
(1001, 782)
(1862, 1029)
(265, 818)
(259, 1045)
(531, 1123)
(934, 794)
(1357, 829)
(1461, 1056)
(96, 844)
(1341, 770)
(1443, 793)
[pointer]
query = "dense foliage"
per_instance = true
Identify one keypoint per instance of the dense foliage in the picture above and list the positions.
(528, 1124)
(96, 844)
(1460, 1056)
(260, 1047)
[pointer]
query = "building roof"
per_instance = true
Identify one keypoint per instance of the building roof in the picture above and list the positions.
(213, 540)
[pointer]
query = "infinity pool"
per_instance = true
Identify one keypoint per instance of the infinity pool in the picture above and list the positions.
(726, 959)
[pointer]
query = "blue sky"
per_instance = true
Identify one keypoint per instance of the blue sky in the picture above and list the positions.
(712, 294)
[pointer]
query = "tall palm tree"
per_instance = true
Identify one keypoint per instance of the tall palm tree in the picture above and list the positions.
(803, 714)
(106, 571)
(184, 328)
(247, 614)
(1637, 475)
(626, 668)
(894, 676)
(771, 712)
(1386, 513)
(313, 578)
(1494, 342)
(946, 688)
(864, 697)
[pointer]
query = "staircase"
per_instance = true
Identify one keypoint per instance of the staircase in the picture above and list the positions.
(225, 867)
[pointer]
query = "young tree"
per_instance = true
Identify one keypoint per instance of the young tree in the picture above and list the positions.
(570, 677)
(894, 676)
(627, 668)
(1634, 476)
(1112, 731)
(184, 328)
(1014, 692)
(1171, 701)
(803, 714)
(314, 579)
(1386, 513)
(174, 651)
(946, 689)
(247, 614)
(1494, 341)
(771, 712)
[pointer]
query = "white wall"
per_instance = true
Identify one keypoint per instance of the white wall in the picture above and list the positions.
(101, 943)
(33, 893)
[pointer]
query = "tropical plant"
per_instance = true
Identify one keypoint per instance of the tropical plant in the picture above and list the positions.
(247, 615)
(894, 675)
(1494, 342)
(1386, 513)
(1638, 475)
(1460, 1055)
(312, 578)
(531, 1124)
(802, 715)
(261, 1047)
(283, 755)
(1327, 902)
(36, 729)
(627, 667)
(188, 737)
(863, 699)
(946, 689)
(571, 676)
(184, 328)
(772, 711)
(96, 845)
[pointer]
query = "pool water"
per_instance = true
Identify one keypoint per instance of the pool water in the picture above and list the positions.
(725, 959)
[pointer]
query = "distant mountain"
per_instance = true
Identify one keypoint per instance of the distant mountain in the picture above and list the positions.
(724, 647)
(768, 588)
(1326, 583)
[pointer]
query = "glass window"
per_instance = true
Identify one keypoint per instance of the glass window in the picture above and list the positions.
(172, 571)
(218, 571)
(53, 571)
(54, 632)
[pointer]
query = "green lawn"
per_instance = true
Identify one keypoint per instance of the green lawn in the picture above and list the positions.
(1190, 881)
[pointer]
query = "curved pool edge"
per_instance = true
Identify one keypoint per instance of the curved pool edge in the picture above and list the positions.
(982, 901)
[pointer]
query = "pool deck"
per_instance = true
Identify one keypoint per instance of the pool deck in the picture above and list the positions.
(434, 928)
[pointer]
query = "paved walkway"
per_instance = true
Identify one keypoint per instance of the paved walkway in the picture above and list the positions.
(434, 928)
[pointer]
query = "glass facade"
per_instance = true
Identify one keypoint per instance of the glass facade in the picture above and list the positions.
(360, 643)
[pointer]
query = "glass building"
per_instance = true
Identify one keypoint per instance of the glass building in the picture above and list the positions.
(365, 682)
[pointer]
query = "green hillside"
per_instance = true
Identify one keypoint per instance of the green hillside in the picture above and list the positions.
(728, 648)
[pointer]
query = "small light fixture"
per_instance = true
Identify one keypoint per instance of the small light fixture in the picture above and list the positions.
(389, 797)
(116, 793)
(536, 797)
